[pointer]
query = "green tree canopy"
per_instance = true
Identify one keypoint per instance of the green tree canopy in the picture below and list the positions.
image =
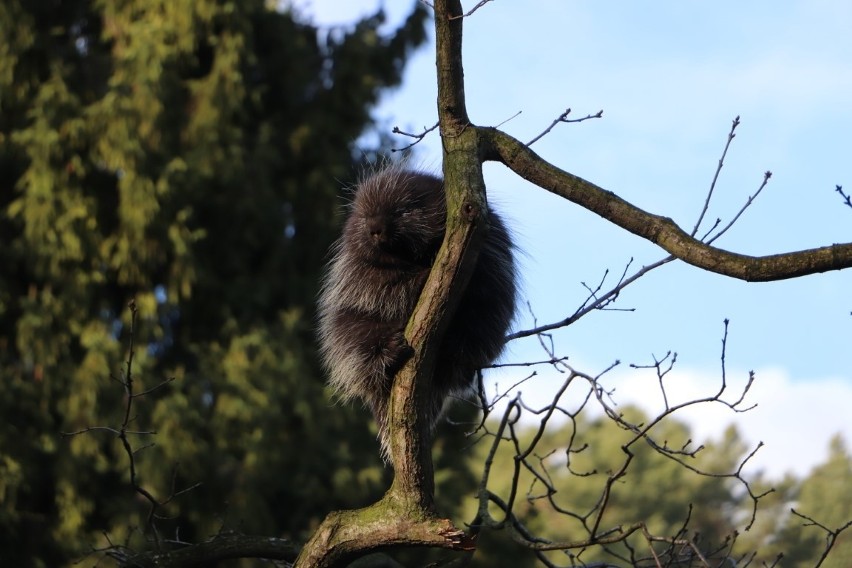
(823, 498)
(188, 155)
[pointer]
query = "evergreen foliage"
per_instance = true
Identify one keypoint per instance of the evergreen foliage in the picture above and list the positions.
(188, 155)
(824, 497)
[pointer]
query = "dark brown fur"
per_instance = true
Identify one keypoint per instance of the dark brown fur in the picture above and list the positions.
(393, 231)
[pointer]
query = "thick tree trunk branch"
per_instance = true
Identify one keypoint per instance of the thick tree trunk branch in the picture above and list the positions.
(406, 516)
(662, 231)
(346, 535)
(410, 435)
(452, 109)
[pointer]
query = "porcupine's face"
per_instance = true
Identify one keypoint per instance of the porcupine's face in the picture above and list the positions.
(397, 219)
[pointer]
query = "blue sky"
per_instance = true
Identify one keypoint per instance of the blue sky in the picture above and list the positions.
(670, 77)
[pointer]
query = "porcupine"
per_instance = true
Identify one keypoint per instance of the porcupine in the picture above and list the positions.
(392, 233)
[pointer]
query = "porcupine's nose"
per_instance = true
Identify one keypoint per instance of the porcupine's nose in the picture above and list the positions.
(377, 226)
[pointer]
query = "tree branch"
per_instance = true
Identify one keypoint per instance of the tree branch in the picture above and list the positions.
(847, 199)
(405, 516)
(564, 118)
(466, 210)
(719, 166)
(417, 137)
(662, 231)
(209, 553)
(346, 535)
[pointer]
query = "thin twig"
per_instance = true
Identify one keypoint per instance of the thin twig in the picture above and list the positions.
(472, 10)
(731, 136)
(830, 535)
(123, 433)
(766, 175)
(513, 117)
(847, 199)
(604, 300)
(417, 137)
(564, 118)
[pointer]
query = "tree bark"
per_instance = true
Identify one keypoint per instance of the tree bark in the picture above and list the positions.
(662, 231)
(406, 514)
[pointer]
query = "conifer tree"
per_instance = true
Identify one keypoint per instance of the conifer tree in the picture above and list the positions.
(189, 156)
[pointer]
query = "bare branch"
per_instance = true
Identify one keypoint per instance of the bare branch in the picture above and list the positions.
(513, 117)
(90, 429)
(680, 549)
(599, 303)
(564, 118)
(659, 230)
(830, 534)
(479, 5)
(750, 200)
(154, 388)
(612, 295)
(847, 199)
(731, 135)
(418, 137)
(661, 372)
(209, 553)
(123, 433)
